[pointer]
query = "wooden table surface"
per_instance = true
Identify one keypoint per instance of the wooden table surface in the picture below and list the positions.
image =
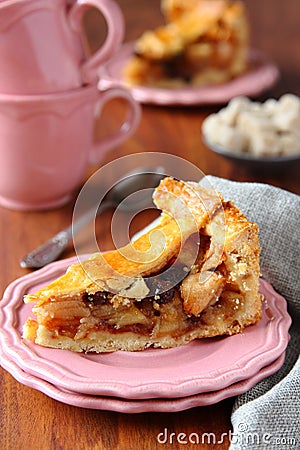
(31, 420)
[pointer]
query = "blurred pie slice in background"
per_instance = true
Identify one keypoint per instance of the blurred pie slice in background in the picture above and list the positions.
(203, 42)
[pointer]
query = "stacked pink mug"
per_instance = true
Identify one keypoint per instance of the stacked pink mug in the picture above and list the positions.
(49, 99)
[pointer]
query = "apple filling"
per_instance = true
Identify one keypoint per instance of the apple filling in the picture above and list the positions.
(160, 314)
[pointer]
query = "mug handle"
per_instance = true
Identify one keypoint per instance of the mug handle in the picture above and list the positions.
(114, 18)
(127, 128)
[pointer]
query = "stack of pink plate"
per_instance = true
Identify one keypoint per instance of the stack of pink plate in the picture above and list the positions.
(201, 373)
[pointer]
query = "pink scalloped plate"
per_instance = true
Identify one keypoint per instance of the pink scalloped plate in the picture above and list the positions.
(136, 406)
(261, 76)
(202, 366)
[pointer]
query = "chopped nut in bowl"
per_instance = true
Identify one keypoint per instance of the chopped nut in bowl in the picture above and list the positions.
(254, 132)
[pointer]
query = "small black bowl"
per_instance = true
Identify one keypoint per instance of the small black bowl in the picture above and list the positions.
(254, 162)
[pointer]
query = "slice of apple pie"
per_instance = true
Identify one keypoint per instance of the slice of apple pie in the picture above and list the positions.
(203, 42)
(194, 274)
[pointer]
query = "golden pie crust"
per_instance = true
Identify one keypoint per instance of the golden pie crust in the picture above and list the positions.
(203, 42)
(194, 274)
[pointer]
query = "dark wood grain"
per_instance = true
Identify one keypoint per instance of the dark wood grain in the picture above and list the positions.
(28, 418)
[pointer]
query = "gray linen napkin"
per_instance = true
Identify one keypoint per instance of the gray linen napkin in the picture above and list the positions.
(267, 416)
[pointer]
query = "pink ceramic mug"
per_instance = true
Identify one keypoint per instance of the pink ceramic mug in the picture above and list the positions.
(40, 44)
(46, 143)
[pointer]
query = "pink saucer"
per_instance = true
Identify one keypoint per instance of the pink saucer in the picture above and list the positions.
(262, 75)
(136, 406)
(202, 366)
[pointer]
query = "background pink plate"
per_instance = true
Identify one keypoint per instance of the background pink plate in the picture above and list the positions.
(262, 75)
(135, 406)
(201, 366)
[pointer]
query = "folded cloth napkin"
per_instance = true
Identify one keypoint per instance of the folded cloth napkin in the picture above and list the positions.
(267, 416)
